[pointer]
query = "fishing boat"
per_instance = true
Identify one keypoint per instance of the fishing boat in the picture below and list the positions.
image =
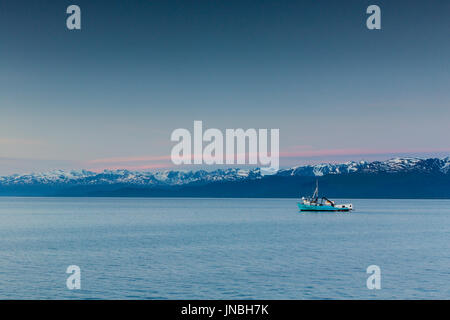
(315, 203)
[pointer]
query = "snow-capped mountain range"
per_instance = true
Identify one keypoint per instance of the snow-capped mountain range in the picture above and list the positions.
(173, 178)
(389, 166)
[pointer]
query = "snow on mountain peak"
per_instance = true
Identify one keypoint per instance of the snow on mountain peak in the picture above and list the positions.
(169, 177)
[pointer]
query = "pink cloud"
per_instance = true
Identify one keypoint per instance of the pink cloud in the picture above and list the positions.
(129, 159)
(354, 151)
(161, 162)
(131, 167)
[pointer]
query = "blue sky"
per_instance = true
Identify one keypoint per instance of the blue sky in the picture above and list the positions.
(110, 95)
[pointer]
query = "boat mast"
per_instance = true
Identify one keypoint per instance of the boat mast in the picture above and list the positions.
(316, 192)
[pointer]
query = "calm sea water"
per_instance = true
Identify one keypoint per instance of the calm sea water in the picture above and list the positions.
(132, 248)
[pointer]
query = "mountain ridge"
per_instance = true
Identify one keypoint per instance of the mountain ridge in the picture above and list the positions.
(397, 177)
(180, 177)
